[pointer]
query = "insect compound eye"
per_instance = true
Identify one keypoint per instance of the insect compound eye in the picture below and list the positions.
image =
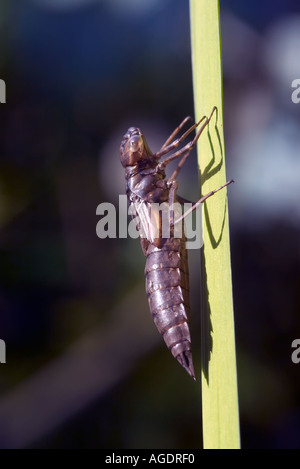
(135, 143)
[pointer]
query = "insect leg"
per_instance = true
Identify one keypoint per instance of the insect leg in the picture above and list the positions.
(167, 148)
(181, 163)
(179, 140)
(187, 148)
(173, 135)
(172, 198)
(184, 158)
(200, 201)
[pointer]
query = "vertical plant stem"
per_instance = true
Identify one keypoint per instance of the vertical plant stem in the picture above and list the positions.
(219, 379)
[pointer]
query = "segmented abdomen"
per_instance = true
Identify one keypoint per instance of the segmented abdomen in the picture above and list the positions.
(167, 288)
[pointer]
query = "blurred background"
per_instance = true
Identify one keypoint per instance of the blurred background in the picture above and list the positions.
(86, 367)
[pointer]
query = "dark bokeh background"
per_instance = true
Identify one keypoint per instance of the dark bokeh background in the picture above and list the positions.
(86, 367)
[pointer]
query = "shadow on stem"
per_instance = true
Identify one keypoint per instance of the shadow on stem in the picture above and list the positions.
(211, 169)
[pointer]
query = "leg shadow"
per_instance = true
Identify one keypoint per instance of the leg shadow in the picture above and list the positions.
(211, 169)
